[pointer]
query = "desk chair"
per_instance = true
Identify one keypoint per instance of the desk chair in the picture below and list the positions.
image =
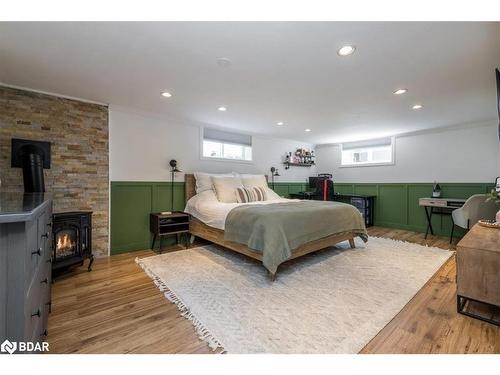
(323, 187)
(474, 209)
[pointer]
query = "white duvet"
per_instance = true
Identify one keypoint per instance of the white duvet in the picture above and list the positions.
(206, 207)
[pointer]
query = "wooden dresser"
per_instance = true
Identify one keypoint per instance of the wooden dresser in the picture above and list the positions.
(478, 270)
(25, 268)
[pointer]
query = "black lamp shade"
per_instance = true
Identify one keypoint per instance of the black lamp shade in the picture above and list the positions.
(173, 164)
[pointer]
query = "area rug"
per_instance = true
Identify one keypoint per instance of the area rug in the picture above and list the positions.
(332, 301)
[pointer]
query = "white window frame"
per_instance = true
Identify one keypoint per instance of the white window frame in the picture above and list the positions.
(356, 165)
(203, 157)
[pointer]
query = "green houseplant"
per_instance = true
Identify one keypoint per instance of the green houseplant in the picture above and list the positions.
(495, 196)
(436, 190)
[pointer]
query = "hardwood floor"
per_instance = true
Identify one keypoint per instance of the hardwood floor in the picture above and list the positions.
(117, 309)
(429, 323)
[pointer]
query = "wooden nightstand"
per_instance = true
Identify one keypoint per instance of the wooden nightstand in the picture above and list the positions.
(161, 225)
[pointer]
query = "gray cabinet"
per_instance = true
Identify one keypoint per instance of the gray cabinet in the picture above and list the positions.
(25, 267)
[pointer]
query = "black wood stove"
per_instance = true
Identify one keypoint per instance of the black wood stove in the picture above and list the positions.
(72, 239)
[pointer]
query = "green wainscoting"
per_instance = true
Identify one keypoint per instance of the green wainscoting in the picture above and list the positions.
(396, 206)
(286, 188)
(132, 202)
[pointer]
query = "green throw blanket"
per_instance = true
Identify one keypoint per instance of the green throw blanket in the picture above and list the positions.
(276, 229)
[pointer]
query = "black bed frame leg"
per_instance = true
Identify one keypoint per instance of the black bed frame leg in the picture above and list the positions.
(352, 244)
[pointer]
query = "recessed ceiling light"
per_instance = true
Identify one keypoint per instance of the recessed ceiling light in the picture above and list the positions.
(307, 130)
(417, 106)
(166, 94)
(280, 123)
(223, 62)
(222, 109)
(400, 91)
(346, 50)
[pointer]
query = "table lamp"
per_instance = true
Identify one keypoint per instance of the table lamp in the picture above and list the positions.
(274, 173)
(173, 170)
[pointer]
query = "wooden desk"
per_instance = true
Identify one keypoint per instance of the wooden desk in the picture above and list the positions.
(439, 206)
(478, 270)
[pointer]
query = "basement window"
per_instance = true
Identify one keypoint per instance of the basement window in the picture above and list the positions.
(222, 145)
(368, 153)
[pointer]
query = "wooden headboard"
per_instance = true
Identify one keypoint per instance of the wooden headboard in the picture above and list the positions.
(190, 185)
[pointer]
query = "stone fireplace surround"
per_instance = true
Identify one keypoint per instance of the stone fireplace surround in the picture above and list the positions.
(78, 131)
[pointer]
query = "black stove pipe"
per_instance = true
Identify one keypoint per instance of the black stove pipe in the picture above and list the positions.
(33, 173)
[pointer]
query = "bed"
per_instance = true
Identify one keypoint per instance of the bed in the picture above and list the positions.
(209, 219)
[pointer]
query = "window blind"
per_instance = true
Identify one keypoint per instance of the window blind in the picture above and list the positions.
(369, 143)
(226, 137)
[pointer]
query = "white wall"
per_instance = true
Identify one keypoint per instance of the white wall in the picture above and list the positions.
(141, 145)
(456, 154)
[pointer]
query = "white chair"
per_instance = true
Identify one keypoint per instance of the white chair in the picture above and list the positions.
(474, 209)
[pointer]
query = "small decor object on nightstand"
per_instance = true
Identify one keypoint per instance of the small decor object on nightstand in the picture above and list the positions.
(436, 190)
(162, 224)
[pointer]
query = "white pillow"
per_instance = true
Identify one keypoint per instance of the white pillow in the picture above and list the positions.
(204, 180)
(271, 195)
(253, 180)
(225, 188)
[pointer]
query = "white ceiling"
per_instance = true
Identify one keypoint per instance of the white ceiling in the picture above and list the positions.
(281, 71)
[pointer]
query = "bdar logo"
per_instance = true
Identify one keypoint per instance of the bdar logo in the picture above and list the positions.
(8, 347)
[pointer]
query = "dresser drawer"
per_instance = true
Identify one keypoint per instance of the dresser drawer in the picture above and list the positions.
(36, 317)
(43, 332)
(33, 317)
(39, 245)
(39, 290)
(33, 251)
(44, 231)
(40, 332)
(38, 328)
(37, 301)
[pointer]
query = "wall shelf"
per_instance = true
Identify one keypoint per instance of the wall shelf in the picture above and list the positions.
(289, 164)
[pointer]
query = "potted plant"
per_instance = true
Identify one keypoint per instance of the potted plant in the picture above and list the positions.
(495, 196)
(436, 190)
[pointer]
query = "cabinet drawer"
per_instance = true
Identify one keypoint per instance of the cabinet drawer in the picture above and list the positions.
(40, 332)
(44, 232)
(32, 257)
(39, 245)
(37, 303)
(33, 316)
(39, 286)
(37, 264)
